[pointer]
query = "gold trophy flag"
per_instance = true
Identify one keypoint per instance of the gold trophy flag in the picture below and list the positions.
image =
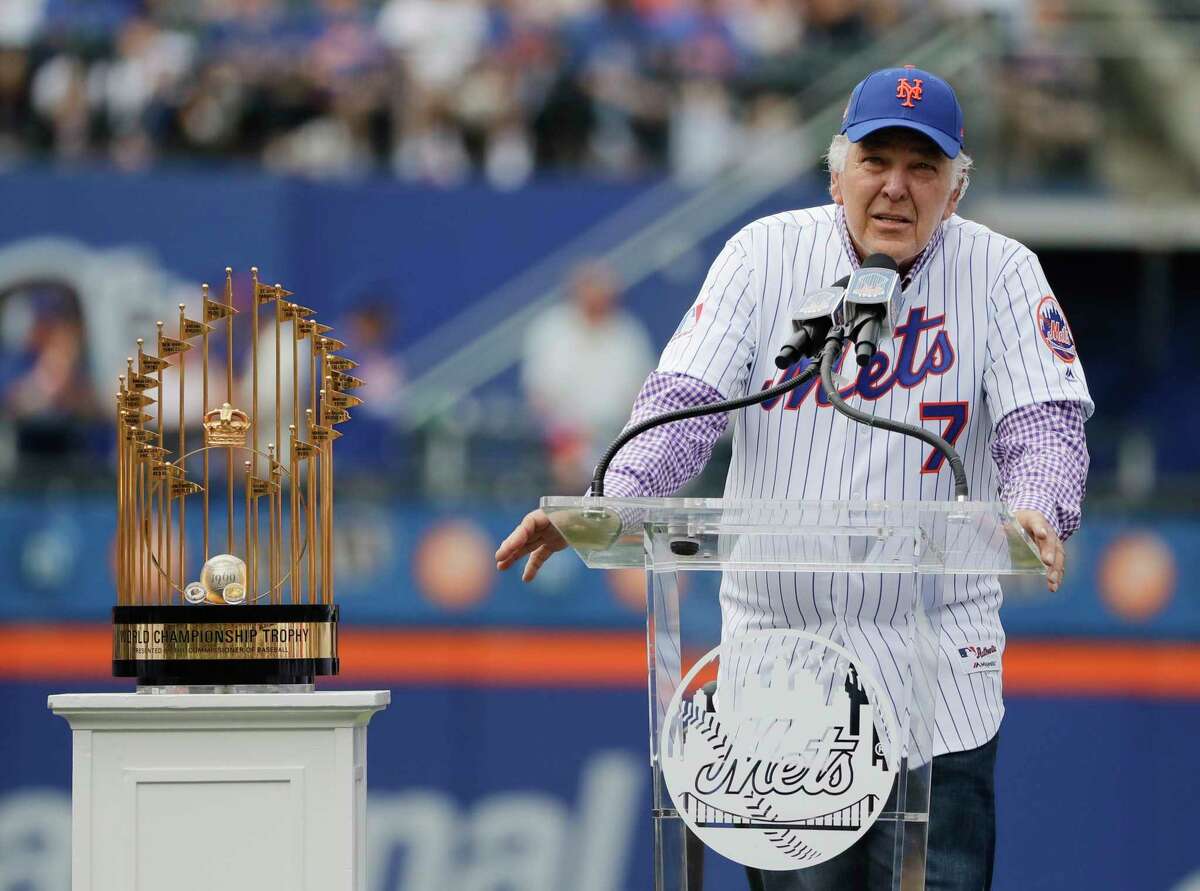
(169, 346)
(159, 470)
(294, 311)
(183, 488)
(329, 345)
(190, 328)
(134, 401)
(165, 469)
(148, 364)
(323, 434)
(215, 310)
(340, 363)
(337, 415)
(305, 327)
(140, 382)
(265, 293)
(343, 381)
(341, 400)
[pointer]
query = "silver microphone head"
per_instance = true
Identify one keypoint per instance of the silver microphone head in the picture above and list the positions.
(875, 283)
(816, 304)
(812, 315)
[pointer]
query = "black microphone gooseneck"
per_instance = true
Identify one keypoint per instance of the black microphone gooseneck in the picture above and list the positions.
(695, 411)
(833, 348)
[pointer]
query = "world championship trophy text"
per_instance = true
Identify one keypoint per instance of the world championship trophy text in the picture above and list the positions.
(224, 556)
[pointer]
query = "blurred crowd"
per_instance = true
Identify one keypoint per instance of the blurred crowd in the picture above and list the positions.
(448, 91)
(434, 91)
(583, 363)
(47, 401)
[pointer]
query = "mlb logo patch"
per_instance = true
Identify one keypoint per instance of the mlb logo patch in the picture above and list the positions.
(978, 658)
(1054, 330)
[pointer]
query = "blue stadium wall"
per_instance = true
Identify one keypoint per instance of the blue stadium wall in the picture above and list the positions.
(514, 752)
(540, 789)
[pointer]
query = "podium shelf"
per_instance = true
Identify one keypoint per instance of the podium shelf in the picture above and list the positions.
(926, 537)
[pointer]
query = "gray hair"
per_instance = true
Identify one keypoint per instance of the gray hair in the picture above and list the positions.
(839, 148)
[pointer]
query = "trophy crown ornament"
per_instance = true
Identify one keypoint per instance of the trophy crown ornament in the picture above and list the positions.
(226, 427)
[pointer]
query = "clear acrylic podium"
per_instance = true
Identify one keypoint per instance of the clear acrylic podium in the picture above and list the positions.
(919, 546)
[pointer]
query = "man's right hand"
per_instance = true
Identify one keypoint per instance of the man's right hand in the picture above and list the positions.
(535, 536)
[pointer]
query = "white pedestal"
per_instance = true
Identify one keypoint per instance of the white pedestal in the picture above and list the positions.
(219, 792)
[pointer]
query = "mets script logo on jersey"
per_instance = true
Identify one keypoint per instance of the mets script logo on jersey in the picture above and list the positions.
(910, 93)
(790, 761)
(877, 378)
(1055, 331)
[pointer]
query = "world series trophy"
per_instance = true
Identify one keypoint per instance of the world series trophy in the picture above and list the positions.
(225, 612)
(246, 599)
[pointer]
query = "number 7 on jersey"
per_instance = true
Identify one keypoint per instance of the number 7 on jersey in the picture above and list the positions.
(955, 416)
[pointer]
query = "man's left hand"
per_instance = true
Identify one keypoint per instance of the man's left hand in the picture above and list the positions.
(1049, 547)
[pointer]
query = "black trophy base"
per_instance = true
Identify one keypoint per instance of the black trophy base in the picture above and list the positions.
(210, 645)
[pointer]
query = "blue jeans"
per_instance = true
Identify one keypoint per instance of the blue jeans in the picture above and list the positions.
(962, 836)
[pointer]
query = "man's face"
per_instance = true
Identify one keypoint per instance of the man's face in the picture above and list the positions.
(895, 189)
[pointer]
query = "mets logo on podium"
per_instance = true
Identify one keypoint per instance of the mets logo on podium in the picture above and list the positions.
(1056, 333)
(789, 762)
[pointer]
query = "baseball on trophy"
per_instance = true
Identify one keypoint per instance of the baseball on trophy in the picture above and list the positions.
(220, 572)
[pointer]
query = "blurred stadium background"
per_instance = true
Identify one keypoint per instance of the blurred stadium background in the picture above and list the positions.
(504, 206)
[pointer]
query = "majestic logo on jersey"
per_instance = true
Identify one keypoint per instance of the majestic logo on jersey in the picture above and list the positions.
(879, 376)
(790, 761)
(1055, 331)
(910, 93)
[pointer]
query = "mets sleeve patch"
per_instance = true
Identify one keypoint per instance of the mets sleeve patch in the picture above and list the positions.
(1054, 330)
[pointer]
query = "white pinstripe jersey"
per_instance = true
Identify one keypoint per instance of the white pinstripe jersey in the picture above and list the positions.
(978, 336)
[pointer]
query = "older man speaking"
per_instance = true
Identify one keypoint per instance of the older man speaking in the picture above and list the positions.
(981, 354)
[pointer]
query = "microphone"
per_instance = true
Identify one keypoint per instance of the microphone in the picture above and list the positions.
(811, 321)
(868, 304)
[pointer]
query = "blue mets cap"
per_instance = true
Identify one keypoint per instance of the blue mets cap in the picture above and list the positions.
(906, 97)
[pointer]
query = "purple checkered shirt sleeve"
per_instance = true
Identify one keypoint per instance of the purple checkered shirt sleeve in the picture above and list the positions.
(662, 460)
(1042, 457)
